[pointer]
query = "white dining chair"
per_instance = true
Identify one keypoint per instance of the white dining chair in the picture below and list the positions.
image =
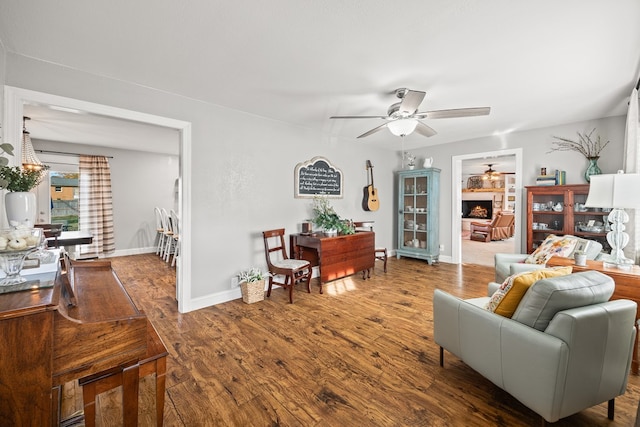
(167, 239)
(176, 236)
(159, 230)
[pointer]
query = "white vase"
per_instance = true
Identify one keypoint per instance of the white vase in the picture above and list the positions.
(20, 207)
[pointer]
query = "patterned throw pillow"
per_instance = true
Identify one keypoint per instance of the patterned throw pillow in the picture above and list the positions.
(553, 245)
(505, 300)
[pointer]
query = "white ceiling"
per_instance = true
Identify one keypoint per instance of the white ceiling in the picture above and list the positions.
(535, 63)
(52, 124)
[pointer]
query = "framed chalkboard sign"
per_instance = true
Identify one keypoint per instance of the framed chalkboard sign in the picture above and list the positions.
(317, 177)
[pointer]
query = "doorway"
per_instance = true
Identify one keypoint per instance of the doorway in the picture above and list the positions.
(459, 183)
(16, 98)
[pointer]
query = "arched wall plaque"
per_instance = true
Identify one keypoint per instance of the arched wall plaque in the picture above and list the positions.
(317, 177)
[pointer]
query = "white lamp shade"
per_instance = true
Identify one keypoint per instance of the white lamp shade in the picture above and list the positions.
(402, 127)
(618, 191)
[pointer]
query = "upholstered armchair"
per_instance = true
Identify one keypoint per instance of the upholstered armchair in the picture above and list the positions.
(566, 347)
(502, 227)
(508, 264)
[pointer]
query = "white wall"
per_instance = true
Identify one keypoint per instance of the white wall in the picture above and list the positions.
(139, 182)
(536, 145)
(242, 171)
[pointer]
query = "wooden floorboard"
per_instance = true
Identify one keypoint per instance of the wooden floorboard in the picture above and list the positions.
(360, 354)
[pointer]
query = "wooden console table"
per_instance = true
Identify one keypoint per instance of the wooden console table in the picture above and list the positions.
(336, 257)
(627, 287)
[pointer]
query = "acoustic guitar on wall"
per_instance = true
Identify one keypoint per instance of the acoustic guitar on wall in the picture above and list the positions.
(370, 201)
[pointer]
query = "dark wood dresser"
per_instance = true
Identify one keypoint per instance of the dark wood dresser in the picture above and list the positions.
(336, 257)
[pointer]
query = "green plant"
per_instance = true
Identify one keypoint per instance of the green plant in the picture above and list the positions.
(15, 178)
(585, 145)
(6, 149)
(252, 275)
(325, 216)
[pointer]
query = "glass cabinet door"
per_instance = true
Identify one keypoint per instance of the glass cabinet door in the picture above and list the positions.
(415, 211)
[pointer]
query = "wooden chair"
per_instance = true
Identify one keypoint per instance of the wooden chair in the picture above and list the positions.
(380, 253)
(502, 227)
(293, 270)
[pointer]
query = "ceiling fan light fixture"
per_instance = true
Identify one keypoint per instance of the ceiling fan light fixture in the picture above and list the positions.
(491, 174)
(402, 127)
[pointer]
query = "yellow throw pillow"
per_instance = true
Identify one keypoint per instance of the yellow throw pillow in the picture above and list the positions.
(505, 300)
(561, 246)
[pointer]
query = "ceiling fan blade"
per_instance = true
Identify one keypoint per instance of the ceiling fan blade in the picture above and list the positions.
(425, 130)
(374, 130)
(411, 101)
(359, 117)
(456, 112)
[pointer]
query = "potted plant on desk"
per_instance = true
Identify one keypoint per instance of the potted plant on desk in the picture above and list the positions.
(252, 285)
(325, 217)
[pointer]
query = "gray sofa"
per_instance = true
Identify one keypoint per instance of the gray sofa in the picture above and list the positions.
(566, 347)
(508, 264)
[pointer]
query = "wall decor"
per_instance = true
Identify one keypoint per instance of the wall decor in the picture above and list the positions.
(475, 182)
(317, 177)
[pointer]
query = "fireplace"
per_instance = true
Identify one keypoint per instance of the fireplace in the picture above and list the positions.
(477, 209)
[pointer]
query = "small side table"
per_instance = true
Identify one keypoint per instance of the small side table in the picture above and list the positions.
(627, 287)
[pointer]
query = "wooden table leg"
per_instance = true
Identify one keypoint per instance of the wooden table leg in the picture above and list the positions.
(89, 401)
(634, 362)
(130, 385)
(161, 369)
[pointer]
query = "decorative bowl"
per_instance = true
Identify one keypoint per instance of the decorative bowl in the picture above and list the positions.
(15, 245)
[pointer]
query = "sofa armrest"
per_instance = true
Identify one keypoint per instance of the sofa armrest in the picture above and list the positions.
(522, 268)
(492, 288)
(608, 358)
(503, 262)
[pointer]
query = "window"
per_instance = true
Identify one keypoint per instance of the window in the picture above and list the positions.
(64, 199)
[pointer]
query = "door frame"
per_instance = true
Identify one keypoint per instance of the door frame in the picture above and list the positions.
(14, 100)
(456, 200)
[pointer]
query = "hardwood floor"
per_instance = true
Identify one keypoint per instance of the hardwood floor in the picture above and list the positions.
(362, 354)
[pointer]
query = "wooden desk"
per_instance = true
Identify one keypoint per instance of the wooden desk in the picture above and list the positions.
(47, 342)
(627, 287)
(336, 257)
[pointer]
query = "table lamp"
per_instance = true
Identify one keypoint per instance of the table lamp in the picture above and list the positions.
(617, 191)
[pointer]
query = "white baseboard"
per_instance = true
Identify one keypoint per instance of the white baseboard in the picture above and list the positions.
(134, 251)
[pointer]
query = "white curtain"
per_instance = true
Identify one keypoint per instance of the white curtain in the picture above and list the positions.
(632, 165)
(96, 205)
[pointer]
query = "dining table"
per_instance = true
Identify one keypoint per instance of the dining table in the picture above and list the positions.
(71, 238)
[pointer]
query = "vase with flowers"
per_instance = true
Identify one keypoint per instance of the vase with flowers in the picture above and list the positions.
(20, 203)
(586, 145)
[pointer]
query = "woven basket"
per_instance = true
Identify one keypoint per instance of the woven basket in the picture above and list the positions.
(252, 291)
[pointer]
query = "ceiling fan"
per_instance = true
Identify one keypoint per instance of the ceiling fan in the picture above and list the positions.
(490, 173)
(403, 117)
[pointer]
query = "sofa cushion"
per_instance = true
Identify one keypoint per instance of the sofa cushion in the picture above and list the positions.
(546, 297)
(505, 300)
(553, 245)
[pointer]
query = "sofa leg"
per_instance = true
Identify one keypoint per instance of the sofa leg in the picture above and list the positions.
(441, 357)
(611, 407)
